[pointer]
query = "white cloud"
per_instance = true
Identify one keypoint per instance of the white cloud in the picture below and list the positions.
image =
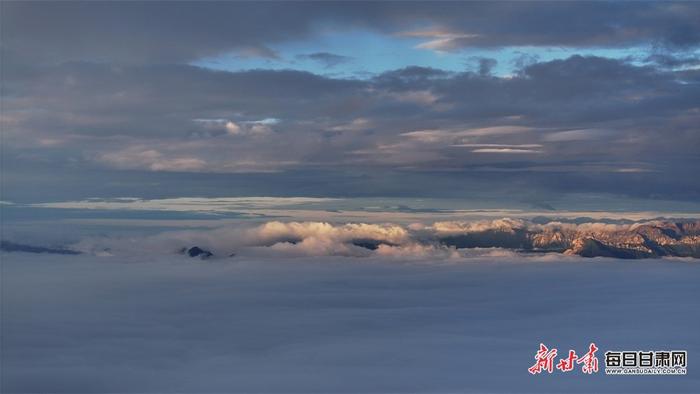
(187, 204)
(139, 157)
(462, 227)
(417, 251)
(178, 164)
(456, 136)
(496, 130)
(515, 146)
(236, 128)
(430, 135)
(633, 170)
(505, 150)
(576, 135)
(232, 128)
(308, 209)
(358, 124)
(266, 121)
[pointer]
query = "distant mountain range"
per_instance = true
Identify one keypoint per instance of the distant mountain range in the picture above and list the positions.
(654, 239)
(659, 238)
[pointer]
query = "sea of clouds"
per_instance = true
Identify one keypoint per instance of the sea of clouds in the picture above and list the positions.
(168, 323)
(302, 306)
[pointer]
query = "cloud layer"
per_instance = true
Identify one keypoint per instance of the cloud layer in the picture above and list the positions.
(206, 29)
(146, 324)
(110, 94)
(583, 116)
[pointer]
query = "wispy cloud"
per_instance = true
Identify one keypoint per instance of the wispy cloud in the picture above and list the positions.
(516, 146)
(576, 135)
(187, 204)
(440, 40)
(452, 134)
(505, 150)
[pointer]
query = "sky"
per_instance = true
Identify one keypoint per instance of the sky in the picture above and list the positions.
(516, 101)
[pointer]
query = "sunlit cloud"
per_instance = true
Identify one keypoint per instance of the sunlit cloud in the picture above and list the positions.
(186, 204)
(576, 135)
(138, 158)
(505, 150)
(357, 124)
(440, 40)
(516, 146)
(446, 135)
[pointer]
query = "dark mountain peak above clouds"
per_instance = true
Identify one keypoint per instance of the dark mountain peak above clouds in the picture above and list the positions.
(590, 247)
(370, 244)
(196, 251)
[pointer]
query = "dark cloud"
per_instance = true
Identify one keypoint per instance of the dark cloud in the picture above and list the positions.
(126, 102)
(524, 59)
(328, 60)
(576, 24)
(483, 65)
(589, 117)
(673, 61)
(159, 32)
(146, 32)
